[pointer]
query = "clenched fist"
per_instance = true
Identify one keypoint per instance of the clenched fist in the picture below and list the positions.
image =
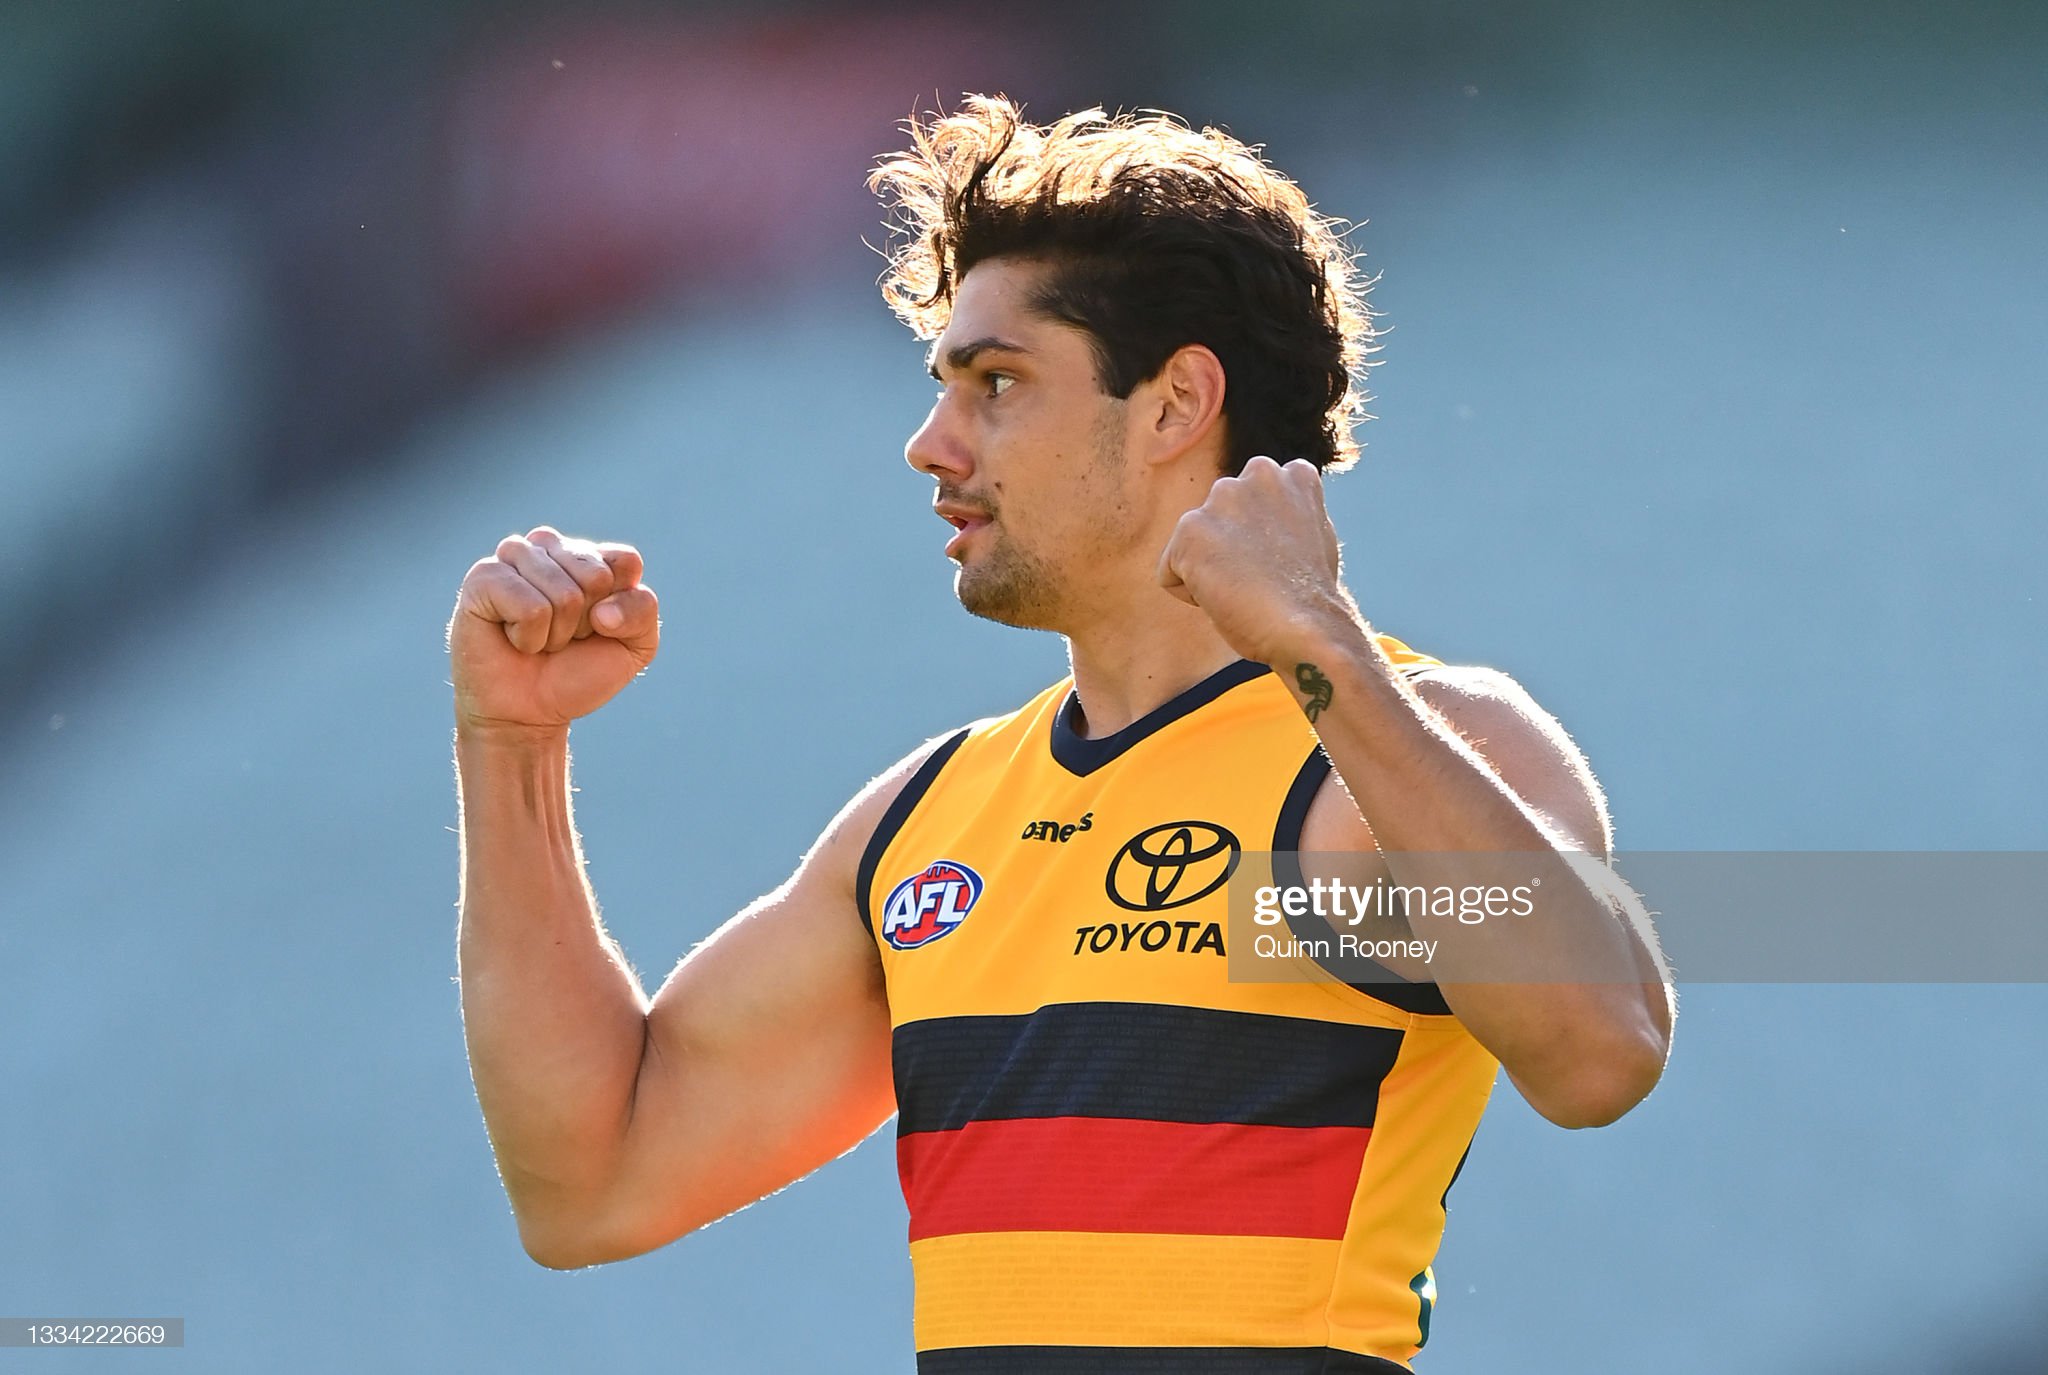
(1260, 556)
(549, 629)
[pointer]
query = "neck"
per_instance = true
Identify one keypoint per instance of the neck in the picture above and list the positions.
(1134, 646)
(1125, 670)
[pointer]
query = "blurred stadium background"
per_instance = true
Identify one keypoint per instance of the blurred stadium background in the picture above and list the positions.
(1710, 407)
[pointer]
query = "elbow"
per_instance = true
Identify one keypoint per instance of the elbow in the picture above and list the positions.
(571, 1237)
(550, 1259)
(1600, 1107)
(577, 1240)
(1602, 1089)
(558, 1247)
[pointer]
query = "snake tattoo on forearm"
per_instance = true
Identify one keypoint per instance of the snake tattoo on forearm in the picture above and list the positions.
(1316, 687)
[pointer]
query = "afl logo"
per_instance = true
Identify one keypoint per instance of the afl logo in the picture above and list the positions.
(1172, 866)
(930, 904)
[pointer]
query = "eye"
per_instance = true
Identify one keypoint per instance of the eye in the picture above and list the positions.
(998, 383)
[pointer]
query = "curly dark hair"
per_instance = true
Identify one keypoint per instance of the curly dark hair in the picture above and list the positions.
(1158, 236)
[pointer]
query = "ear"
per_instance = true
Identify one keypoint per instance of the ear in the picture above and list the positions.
(1185, 404)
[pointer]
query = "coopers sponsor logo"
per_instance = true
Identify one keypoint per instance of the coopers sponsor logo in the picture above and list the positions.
(1171, 866)
(930, 904)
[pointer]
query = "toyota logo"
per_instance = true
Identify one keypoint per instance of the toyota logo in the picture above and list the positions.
(1172, 866)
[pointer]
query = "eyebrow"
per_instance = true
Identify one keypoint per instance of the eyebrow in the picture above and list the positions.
(963, 355)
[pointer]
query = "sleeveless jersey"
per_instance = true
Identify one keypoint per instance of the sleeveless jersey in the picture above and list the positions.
(1115, 1157)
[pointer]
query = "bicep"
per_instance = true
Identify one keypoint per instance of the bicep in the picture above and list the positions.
(1523, 746)
(767, 1055)
(1527, 749)
(1533, 756)
(1521, 743)
(767, 1050)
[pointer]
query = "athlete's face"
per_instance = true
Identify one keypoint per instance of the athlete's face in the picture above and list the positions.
(1027, 450)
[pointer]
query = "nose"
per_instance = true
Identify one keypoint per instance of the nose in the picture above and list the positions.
(938, 449)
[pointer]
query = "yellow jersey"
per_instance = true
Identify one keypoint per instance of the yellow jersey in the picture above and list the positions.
(1116, 1158)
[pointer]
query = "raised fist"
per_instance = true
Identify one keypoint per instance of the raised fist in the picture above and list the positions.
(1261, 557)
(549, 629)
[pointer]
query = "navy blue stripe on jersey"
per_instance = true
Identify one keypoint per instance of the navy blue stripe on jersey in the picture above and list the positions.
(892, 820)
(1151, 1360)
(1148, 1061)
(1316, 933)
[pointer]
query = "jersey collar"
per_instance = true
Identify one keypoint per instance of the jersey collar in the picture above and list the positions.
(1081, 756)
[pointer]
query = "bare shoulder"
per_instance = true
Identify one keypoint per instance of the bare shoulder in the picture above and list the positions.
(803, 939)
(845, 841)
(817, 908)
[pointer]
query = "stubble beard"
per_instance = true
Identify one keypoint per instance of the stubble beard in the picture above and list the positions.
(1016, 587)
(1009, 586)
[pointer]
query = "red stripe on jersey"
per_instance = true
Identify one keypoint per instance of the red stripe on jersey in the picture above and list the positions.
(1113, 1174)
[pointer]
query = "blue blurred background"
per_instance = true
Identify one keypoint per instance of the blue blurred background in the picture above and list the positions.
(1710, 408)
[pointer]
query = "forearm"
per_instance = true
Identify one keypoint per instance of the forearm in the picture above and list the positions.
(554, 1018)
(1571, 997)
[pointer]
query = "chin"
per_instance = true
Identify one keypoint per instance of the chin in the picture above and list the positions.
(1005, 600)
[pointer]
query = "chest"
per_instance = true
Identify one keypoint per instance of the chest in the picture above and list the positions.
(1009, 888)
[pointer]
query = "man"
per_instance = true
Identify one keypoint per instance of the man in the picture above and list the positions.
(1117, 1157)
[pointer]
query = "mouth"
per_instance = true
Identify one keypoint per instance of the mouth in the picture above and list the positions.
(965, 520)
